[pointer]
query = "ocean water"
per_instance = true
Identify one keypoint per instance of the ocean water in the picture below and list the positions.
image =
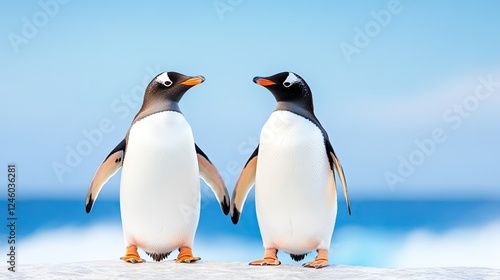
(390, 215)
(378, 233)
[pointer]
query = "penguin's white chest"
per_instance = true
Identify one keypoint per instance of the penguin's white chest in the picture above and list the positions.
(295, 189)
(160, 187)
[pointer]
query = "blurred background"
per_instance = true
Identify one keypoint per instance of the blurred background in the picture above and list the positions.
(409, 92)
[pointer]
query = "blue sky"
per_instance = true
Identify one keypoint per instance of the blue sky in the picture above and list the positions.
(404, 100)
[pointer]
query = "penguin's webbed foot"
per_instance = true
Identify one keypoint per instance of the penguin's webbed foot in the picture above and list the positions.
(186, 256)
(131, 255)
(320, 261)
(270, 258)
(264, 262)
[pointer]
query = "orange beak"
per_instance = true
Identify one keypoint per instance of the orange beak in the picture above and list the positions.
(193, 81)
(264, 82)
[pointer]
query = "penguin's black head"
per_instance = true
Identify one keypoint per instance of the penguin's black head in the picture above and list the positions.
(288, 87)
(171, 86)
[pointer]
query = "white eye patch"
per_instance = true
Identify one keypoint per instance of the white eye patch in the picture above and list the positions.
(290, 80)
(163, 78)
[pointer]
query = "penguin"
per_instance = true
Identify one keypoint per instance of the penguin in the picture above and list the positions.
(160, 186)
(293, 169)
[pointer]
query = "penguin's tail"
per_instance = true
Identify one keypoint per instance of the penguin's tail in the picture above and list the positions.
(298, 258)
(158, 256)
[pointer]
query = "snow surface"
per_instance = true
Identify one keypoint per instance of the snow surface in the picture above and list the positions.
(226, 270)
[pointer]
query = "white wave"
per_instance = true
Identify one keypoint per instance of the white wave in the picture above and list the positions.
(105, 242)
(465, 247)
(72, 244)
(361, 246)
(477, 247)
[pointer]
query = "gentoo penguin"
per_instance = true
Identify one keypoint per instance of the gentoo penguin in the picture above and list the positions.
(293, 169)
(160, 186)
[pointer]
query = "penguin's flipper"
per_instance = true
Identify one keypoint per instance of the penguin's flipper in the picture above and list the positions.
(211, 176)
(243, 186)
(335, 163)
(106, 170)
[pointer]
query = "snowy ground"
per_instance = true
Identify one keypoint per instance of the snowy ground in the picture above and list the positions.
(222, 270)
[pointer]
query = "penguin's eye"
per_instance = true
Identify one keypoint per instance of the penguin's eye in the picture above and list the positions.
(290, 80)
(164, 79)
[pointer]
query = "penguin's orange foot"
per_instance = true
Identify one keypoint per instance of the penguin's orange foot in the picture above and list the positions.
(132, 256)
(266, 262)
(320, 261)
(270, 258)
(316, 264)
(186, 256)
